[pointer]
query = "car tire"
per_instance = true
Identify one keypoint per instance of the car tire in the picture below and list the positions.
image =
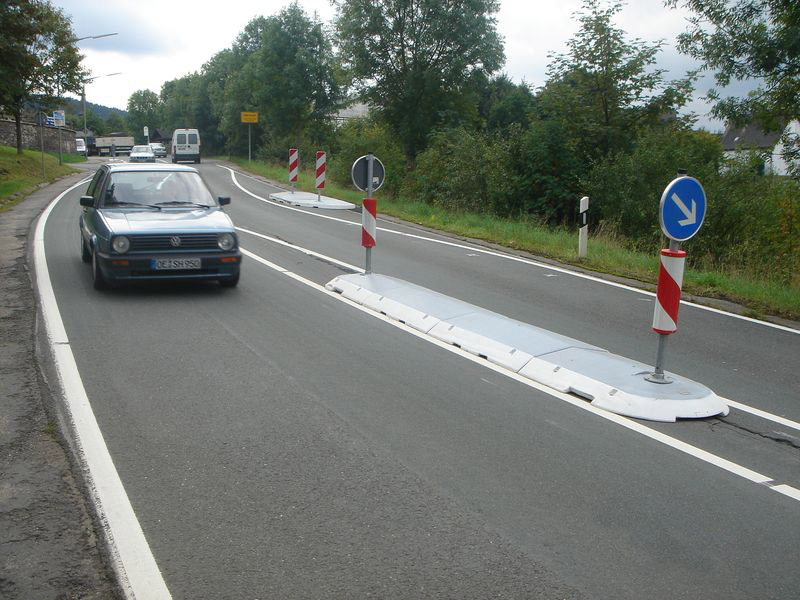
(197, 161)
(98, 280)
(86, 256)
(230, 282)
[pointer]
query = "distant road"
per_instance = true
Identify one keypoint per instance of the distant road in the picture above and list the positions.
(276, 442)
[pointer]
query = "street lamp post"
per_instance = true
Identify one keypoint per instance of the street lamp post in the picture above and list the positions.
(83, 99)
(85, 81)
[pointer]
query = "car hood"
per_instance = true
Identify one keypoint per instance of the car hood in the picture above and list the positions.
(167, 220)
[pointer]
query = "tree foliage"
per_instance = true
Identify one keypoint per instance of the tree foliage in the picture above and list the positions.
(144, 109)
(411, 59)
(750, 39)
(606, 86)
(38, 56)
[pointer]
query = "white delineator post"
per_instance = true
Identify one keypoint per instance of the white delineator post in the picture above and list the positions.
(320, 183)
(583, 227)
(294, 166)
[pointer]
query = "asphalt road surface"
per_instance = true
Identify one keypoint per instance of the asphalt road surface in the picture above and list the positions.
(276, 442)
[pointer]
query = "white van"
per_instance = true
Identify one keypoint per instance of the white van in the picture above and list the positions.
(80, 146)
(185, 145)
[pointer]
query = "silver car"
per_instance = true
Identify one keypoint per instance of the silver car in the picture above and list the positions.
(159, 150)
(142, 154)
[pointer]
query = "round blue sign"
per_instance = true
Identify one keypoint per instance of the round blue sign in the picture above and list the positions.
(683, 208)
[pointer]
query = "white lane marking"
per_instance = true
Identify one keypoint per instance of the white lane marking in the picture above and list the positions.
(763, 414)
(744, 407)
(508, 257)
(787, 490)
(301, 249)
(133, 561)
(657, 436)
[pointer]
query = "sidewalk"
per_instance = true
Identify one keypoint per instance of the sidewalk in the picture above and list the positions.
(49, 547)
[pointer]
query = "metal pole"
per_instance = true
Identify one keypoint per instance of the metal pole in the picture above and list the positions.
(368, 265)
(41, 138)
(59, 146)
(583, 230)
(249, 154)
(85, 135)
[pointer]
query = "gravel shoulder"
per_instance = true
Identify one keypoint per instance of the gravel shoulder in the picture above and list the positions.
(49, 547)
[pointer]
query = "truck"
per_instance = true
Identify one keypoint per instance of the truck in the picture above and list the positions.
(122, 144)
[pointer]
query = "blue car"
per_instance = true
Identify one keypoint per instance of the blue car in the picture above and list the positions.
(156, 222)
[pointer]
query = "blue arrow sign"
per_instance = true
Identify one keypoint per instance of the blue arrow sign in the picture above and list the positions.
(683, 208)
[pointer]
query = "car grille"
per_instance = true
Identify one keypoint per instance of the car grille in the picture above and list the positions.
(188, 241)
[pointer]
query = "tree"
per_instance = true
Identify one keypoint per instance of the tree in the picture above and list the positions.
(293, 75)
(411, 58)
(115, 123)
(38, 56)
(144, 108)
(749, 39)
(605, 86)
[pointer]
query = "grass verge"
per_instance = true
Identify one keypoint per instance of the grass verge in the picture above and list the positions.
(606, 253)
(19, 173)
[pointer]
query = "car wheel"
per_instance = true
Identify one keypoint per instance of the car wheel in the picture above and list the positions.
(97, 275)
(230, 282)
(197, 161)
(86, 256)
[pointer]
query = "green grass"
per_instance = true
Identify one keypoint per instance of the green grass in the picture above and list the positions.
(69, 158)
(606, 253)
(21, 173)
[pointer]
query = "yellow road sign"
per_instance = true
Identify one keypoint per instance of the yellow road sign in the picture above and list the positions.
(249, 117)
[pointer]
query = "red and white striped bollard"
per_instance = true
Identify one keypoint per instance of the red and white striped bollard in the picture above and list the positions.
(668, 295)
(320, 183)
(294, 166)
(369, 227)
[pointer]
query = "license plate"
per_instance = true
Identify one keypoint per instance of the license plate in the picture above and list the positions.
(170, 264)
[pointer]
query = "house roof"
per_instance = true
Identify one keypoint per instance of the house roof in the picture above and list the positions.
(750, 136)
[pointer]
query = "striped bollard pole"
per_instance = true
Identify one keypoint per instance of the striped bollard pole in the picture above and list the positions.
(320, 172)
(369, 216)
(668, 301)
(583, 227)
(294, 166)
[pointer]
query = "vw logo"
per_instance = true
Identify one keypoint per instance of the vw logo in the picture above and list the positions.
(175, 240)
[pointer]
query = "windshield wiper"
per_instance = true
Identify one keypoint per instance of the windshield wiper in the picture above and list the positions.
(122, 203)
(183, 203)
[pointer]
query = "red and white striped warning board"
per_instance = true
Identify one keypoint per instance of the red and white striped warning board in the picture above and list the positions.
(294, 164)
(369, 216)
(668, 295)
(320, 170)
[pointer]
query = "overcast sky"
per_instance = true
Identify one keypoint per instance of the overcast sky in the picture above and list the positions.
(160, 40)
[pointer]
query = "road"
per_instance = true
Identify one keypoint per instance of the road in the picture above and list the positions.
(277, 442)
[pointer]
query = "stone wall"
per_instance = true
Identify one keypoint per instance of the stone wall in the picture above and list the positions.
(30, 136)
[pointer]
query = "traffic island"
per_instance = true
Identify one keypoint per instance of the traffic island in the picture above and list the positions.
(607, 380)
(311, 200)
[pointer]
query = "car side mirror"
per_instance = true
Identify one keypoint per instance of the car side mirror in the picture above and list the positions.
(223, 200)
(87, 201)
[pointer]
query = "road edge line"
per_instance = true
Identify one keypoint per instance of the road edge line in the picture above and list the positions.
(133, 561)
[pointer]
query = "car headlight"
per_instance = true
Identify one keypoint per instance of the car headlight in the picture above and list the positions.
(226, 241)
(121, 244)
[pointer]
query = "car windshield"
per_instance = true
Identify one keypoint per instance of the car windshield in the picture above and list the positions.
(141, 149)
(158, 188)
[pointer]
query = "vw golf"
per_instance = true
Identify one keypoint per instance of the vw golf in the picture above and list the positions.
(154, 222)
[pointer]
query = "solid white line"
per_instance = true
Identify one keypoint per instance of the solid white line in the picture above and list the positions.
(508, 257)
(301, 249)
(137, 571)
(763, 414)
(787, 490)
(657, 436)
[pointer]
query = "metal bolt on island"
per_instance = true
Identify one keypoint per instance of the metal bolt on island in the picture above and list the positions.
(368, 175)
(681, 214)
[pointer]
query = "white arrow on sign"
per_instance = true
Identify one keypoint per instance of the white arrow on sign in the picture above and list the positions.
(691, 215)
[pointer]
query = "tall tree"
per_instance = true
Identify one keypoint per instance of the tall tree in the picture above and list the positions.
(293, 74)
(749, 39)
(411, 58)
(144, 108)
(606, 87)
(38, 56)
